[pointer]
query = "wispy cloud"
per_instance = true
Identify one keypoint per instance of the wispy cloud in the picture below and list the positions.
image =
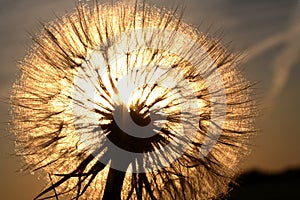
(287, 57)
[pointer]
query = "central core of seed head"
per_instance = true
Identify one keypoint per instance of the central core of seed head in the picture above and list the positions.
(139, 118)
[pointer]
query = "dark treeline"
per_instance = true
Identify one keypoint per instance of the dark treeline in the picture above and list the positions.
(266, 186)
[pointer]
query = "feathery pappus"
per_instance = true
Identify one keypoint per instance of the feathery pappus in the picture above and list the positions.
(126, 101)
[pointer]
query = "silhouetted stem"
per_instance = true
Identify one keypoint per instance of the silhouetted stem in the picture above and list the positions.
(114, 185)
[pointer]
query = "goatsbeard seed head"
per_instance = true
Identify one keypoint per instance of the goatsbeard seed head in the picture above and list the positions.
(135, 78)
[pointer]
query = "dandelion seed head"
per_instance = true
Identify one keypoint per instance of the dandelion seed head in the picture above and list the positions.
(135, 78)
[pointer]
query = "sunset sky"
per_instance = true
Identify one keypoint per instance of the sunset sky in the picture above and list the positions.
(265, 32)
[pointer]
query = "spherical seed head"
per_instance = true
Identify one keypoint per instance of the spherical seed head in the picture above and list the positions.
(135, 78)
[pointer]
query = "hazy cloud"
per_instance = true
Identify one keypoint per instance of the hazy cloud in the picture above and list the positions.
(287, 57)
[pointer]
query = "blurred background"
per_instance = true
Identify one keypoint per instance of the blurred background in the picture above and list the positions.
(266, 32)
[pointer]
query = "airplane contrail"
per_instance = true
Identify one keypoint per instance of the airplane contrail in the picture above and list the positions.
(286, 58)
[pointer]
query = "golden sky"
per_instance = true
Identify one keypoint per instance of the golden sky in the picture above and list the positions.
(267, 33)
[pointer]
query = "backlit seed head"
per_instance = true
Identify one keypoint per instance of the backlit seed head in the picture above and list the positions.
(131, 90)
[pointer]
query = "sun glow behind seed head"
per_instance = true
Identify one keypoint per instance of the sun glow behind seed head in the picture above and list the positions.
(91, 68)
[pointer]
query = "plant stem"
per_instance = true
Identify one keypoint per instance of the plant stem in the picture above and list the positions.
(114, 185)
